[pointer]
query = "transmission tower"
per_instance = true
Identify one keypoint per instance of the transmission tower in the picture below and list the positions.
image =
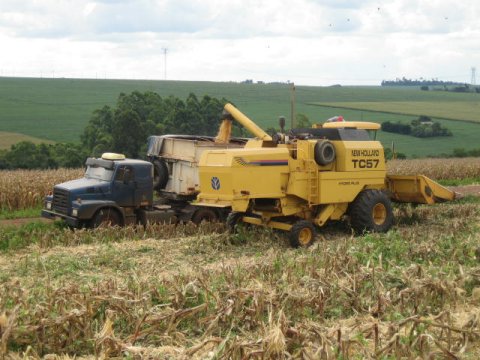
(165, 50)
(473, 79)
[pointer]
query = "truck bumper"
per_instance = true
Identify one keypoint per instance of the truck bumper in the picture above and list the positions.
(71, 221)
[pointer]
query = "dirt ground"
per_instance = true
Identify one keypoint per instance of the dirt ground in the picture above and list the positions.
(473, 190)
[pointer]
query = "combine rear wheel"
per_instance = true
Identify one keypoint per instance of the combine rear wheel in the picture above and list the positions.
(302, 234)
(371, 211)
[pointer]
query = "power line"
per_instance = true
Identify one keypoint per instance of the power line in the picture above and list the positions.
(473, 80)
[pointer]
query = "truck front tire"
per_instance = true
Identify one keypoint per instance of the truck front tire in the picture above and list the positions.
(106, 217)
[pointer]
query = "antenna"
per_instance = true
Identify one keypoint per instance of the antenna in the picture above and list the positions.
(165, 50)
(473, 80)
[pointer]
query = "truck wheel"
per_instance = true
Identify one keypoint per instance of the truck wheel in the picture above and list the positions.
(106, 217)
(302, 234)
(371, 211)
(324, 152)
(204, 214)
(160, 174)
(233, 220)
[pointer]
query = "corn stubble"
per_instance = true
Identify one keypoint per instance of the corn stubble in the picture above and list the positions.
(162, 293)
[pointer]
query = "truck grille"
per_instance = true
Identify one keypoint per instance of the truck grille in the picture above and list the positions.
(60, 201)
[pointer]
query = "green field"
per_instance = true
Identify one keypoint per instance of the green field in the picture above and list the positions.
(59, 109)
(7, 139)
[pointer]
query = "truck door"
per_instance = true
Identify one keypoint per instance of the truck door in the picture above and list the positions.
(124, 186)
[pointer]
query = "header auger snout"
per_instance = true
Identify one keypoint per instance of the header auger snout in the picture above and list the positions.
(231, 113)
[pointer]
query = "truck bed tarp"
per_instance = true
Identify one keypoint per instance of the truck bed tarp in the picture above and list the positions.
(155, 143)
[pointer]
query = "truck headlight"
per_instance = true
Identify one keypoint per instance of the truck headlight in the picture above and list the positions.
(49, 205)
(75, 212)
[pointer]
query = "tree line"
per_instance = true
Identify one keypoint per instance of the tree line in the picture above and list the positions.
(422, 127)
(418, 82)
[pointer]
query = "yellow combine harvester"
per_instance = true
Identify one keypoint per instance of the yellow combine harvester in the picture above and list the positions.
(299, 181)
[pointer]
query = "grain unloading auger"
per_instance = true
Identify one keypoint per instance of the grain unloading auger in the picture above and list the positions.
(300, 181)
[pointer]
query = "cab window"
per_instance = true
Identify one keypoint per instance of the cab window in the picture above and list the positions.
(124, 174)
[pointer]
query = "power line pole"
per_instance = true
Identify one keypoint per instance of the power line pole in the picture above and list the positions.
(473, 79)
(165, 50)
(292, 106)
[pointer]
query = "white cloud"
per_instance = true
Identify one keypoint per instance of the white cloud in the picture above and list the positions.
(306, 41)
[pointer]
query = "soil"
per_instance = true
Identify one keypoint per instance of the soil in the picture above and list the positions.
(22, 221)
(473, 190)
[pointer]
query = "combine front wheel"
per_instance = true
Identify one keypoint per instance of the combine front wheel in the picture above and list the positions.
(371, 211)
(302, 234)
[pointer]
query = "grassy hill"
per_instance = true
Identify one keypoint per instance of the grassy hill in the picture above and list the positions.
(59, 109)
(7, 139)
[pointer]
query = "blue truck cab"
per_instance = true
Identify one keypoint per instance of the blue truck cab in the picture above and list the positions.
(114, 191)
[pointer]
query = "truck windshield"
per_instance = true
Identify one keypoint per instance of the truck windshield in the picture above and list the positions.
(99, 173)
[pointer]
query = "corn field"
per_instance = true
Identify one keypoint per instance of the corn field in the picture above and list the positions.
(21, 189)
(438, 169)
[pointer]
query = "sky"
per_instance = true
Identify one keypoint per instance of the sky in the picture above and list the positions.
(308, 42)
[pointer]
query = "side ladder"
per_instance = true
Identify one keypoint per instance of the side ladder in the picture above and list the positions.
(312, 182)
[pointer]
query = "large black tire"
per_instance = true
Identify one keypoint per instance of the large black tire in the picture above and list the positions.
(204, 214)
(106, 217)
(324, 152)
(371, 211)
(160, 174)
(233, 220)
(302, 234)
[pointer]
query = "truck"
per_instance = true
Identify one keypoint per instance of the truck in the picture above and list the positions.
(116, 190)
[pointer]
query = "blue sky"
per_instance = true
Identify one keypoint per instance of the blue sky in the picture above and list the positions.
(310, 42)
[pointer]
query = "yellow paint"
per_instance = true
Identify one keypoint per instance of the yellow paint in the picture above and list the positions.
(366, 125)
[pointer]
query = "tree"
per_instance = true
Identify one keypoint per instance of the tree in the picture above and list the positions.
(136, 116)
(303, 121)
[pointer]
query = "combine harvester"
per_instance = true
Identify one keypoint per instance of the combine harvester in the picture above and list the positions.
(300, 181)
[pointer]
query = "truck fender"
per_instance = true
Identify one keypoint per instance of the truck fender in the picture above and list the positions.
(88, 208)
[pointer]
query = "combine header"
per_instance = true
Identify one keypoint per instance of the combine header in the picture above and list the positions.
(301, 180)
